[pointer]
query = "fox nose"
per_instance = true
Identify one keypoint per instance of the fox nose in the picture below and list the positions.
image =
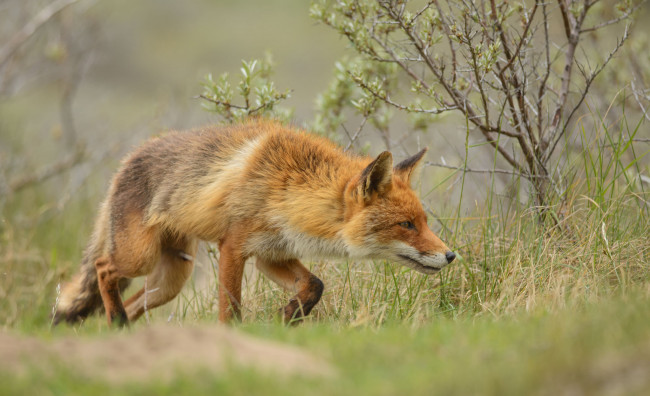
(450, 256)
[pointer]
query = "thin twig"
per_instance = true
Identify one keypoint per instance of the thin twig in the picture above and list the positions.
(502, 171)
(356, 134)
(386, 99)
(452, 49)
(573, 34)
(638, 101)
(588, 82)
(615, 20)
(542, 86)
(220, 103)
(523, 38)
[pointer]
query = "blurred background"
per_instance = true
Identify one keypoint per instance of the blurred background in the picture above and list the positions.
(84, 81)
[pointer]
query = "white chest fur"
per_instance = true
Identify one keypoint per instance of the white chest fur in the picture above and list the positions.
(287, 243)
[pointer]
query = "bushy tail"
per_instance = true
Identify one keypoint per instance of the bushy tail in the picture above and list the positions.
(80, 296)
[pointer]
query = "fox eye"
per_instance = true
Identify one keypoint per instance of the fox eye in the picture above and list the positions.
(408, 225)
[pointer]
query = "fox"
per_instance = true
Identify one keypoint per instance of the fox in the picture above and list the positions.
(257, 189)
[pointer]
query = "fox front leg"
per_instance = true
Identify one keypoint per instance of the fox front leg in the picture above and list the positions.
(296, 278)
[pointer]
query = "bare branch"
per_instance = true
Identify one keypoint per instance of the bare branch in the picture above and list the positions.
(518, 90)
(567, 18)
(573, 39)
(474, 170)
(523, 38)
(31, 27)
(47, 172)
(588, 82)
(452, 49)
(542, 86)
(638, 101)
(423, 9)
(566, 80)
(614, 21)
(356, 134)
(459, 99)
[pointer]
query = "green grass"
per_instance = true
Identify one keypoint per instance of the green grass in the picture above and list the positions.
(593, 349)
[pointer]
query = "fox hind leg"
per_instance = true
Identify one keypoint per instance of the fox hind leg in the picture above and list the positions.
(166, 280)
(135, 250)
(108, 280)
(294, 277)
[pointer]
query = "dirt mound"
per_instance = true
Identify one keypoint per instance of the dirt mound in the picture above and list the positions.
(158, 352)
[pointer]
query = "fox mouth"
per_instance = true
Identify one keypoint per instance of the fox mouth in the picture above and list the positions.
(416, 265)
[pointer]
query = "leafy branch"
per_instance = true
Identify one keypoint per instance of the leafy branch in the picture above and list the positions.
(257, 92)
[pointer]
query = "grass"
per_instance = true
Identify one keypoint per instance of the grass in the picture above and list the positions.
(595, 348)
(528, 308)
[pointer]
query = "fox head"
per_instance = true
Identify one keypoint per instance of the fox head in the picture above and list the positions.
(385, 219)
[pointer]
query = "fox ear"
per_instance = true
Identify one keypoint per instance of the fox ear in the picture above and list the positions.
(410, 168)
(378, 176)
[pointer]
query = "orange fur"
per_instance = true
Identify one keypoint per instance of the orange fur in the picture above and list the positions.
(257, 189)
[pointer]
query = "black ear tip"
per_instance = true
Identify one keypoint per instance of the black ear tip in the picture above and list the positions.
(384, 159)
(412, 161)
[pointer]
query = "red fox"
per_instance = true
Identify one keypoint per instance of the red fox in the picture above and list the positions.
(257, 189)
